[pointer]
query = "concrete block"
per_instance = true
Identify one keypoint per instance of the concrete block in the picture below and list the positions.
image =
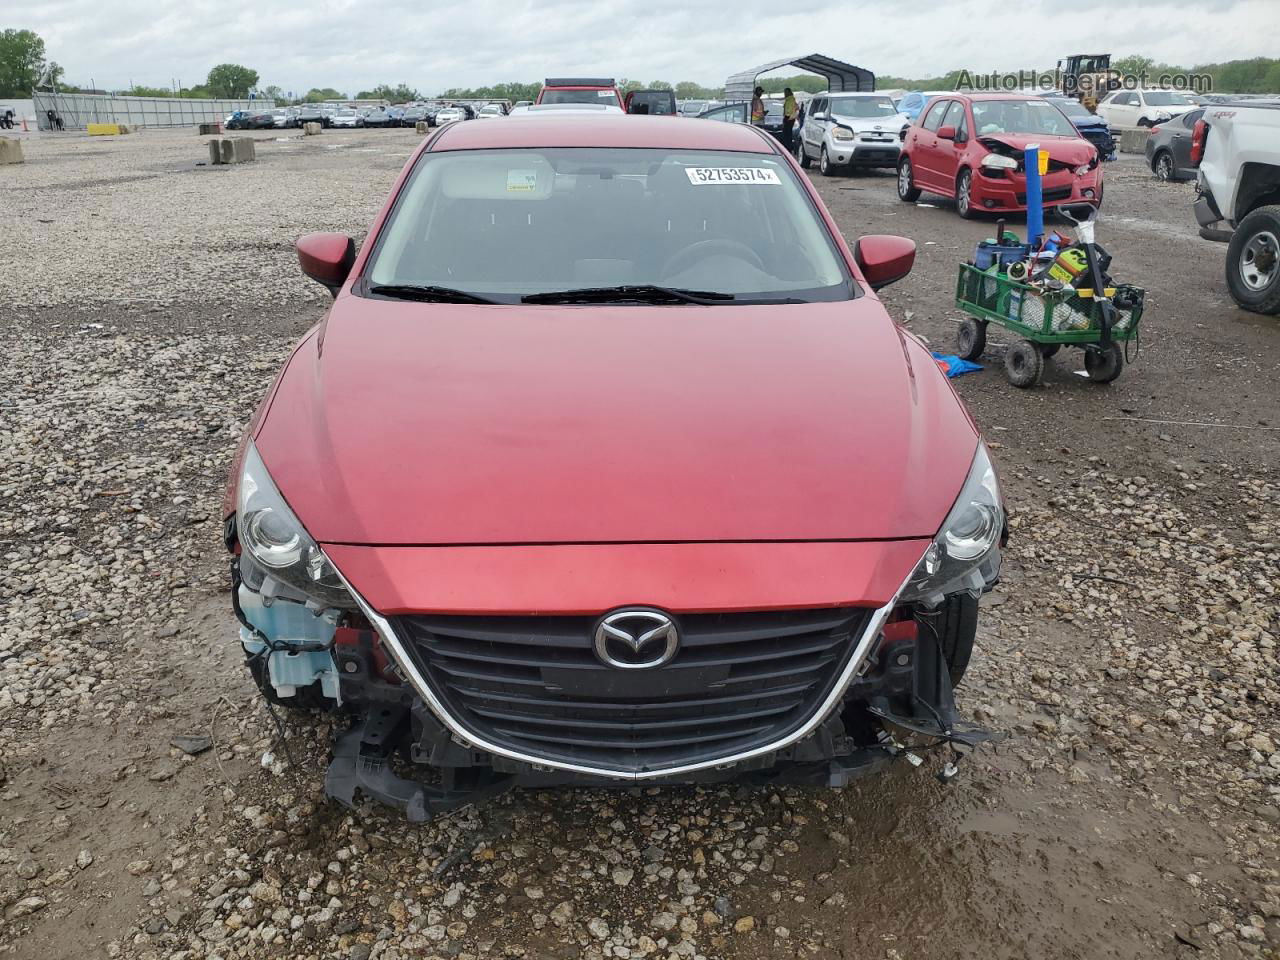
(210, 129)
(126, 127)
(10, 150)
(103, 129)
(232, 150)
(311, 129)
(422, 126)
(1132, 139)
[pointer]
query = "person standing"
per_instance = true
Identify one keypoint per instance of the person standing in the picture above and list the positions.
(757, 107)
(789, 110)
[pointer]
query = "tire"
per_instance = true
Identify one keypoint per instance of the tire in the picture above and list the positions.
(1162, 166)
(307, 698)
(1253, 261)
(908, 192)
(1103, 364)
(957, 626)
(964, 202)
(1024, 364)
(971, 338)
(803, 156)
(1144, 122)
(825, 167)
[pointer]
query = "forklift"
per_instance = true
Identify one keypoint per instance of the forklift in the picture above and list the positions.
(1087, 77)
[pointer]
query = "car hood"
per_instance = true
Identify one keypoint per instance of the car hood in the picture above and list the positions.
(401, 423)
(1068, 150)
(890, 124)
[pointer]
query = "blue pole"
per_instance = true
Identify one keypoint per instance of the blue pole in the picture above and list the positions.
(1035, 203)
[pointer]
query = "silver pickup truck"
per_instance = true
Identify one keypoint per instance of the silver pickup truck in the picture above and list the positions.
(1236, 148)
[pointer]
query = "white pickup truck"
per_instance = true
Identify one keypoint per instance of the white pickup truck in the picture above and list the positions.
(1236, 147)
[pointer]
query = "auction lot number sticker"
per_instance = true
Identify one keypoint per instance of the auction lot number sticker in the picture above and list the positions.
(700, 176)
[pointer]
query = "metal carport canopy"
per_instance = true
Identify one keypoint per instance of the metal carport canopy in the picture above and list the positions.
(841, 77)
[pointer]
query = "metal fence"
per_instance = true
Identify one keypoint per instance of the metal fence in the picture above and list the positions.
(76, 110)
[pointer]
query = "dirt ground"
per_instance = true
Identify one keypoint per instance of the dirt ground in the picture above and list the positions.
(1130, 652)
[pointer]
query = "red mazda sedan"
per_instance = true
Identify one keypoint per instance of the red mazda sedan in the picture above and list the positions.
(971, 147)
(608, 465)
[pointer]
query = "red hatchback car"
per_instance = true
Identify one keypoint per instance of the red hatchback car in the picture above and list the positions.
(971, 147)
(608, 465)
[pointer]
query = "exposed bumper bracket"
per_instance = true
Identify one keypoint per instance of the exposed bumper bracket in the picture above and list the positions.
(362, 761)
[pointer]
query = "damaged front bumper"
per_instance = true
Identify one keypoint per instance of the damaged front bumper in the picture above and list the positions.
(891, 695)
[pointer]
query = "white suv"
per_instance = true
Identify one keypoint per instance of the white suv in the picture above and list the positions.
(1143, 108)
(851, 130)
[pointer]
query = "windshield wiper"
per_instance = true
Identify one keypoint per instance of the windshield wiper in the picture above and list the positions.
(643, 293)
(427, 294)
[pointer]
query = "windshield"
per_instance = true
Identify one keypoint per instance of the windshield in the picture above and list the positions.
(578, 96)
(1163, 98)
(491, 109)
(1020, 116)
(506, 223)
(1073, 108)
(863, 108)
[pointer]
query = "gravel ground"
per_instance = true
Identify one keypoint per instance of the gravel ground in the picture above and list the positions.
(151, 810)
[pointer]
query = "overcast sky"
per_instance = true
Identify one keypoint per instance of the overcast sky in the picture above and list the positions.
(432, 46)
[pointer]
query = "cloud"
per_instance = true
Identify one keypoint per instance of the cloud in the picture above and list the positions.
(352, 45)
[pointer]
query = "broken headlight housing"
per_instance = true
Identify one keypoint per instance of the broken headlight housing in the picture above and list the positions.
(965, 555)
(277, 544)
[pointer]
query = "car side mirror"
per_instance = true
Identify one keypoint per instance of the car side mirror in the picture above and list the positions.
(884, 259)
(946, 133)
(326, 258)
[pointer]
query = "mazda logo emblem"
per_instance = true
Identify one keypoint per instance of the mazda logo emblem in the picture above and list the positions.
(636, 639)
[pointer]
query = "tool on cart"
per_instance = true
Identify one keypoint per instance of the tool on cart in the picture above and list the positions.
(1052, 292)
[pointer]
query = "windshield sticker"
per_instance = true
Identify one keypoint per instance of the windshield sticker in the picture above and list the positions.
(699, 176)
(522, 181)
(604, 93)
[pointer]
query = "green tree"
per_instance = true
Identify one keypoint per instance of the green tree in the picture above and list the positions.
(22, 64)
(231, 80)
(400, 93)
(137, 91)
(318, 94)
(1133, 64)
(273, 92)
(659, 85)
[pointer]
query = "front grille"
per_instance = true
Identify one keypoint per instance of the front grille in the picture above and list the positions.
(1048, 196)
(534, 685)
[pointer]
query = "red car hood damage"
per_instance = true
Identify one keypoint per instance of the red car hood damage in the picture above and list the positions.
(1071, 151)
(424, 424)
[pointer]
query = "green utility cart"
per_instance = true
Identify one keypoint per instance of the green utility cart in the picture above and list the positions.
(1045, 321)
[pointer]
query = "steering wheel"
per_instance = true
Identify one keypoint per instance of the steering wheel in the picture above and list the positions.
(697, 252)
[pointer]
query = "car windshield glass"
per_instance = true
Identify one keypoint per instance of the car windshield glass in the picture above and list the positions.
(862, 107)
(1020, 116)
(578, 96)
(1073, 108)
(508, 223)
(1163, 98)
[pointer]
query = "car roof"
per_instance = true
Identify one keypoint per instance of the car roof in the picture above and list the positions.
(603, 130)
(979, 97)
(850, 95)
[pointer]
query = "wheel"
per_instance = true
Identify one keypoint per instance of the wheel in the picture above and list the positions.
(957, 624)
(825, 167)
(1162, 166)
(908, 192)
(1253, 261)
(971, 338)
(803, 156)
(1144, 122)
(1103, 364)
(964, 203)
(1024, 364)
(1049, 349)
